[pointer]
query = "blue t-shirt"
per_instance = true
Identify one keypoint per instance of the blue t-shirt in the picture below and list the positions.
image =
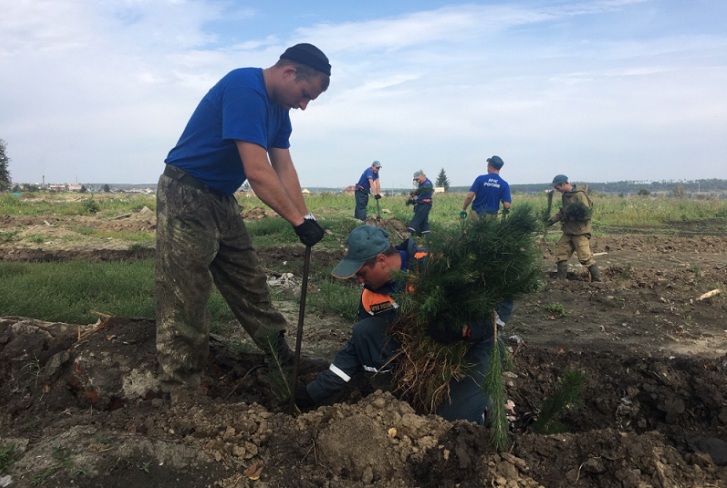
(365, 177)
(489, 191)
(236, 108)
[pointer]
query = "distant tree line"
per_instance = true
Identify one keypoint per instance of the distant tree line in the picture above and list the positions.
(679, 189)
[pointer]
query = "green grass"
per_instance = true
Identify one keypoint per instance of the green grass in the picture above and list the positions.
(8, 455)
(103, 205)
(556, 309)
(336, 296)
(73, 291)
(335, 210)
(132, 237)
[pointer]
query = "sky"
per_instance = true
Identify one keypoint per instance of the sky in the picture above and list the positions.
(99, 91)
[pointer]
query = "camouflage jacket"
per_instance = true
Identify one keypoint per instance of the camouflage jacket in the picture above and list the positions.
(575, 213)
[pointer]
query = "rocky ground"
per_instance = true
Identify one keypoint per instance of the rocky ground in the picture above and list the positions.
(81, 405)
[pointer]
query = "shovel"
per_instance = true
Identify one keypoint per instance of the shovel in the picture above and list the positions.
(378, 210)
(299, 335)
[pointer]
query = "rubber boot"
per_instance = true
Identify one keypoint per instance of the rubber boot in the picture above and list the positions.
(595, 273)
(562, 270)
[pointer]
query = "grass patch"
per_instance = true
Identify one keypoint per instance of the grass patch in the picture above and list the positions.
(556, 309)
(73, 291)
(271, 232)
(8, 236)
(338, 297)
(133, 237)
(8, 455)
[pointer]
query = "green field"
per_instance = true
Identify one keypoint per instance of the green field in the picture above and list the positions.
(77, 291)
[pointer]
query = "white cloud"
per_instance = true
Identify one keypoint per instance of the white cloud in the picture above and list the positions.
(102, 90)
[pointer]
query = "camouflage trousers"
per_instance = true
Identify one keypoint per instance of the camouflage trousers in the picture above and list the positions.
(202, 241)
(568, 244)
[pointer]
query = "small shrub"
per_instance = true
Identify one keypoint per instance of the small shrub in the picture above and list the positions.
(90, 206)
(556, 308)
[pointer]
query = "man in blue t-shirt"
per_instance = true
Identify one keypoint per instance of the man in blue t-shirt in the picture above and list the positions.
(368, 183)
(239, 131)
(488, 191)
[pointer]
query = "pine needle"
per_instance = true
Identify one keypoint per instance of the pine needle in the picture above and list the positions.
(495, 389)
(278, 375)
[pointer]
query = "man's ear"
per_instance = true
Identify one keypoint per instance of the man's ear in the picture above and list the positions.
(289, 72)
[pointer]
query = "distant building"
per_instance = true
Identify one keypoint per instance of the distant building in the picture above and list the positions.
(439, 189)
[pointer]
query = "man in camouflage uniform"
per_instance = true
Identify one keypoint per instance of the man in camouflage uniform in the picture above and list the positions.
(575, 217)
(239, 131)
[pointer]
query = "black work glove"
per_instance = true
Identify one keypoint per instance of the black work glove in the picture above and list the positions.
(377, 197)
(309, 232)
(303, 398)
(411, 201)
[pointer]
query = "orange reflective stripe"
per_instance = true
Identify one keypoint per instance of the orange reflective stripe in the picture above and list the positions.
(376, 303)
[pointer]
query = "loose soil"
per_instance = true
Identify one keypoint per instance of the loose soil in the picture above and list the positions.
(82, 405)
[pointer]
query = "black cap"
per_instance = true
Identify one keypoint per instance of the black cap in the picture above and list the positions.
(309, 55)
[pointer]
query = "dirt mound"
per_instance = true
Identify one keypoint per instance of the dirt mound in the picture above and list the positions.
(83, 405)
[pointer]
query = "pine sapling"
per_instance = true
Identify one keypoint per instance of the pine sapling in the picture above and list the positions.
(567, 395)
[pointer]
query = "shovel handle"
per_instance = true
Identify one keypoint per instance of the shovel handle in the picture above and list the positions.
(301, 317)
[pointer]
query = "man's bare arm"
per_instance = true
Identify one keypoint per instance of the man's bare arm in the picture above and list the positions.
(266, 182)
(468, 200)
(282, 163)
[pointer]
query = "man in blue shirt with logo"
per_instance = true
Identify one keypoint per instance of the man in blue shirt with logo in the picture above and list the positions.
(488, 191)
(239, 131)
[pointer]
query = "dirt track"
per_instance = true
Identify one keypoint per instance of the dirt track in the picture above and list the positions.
(91, 412)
